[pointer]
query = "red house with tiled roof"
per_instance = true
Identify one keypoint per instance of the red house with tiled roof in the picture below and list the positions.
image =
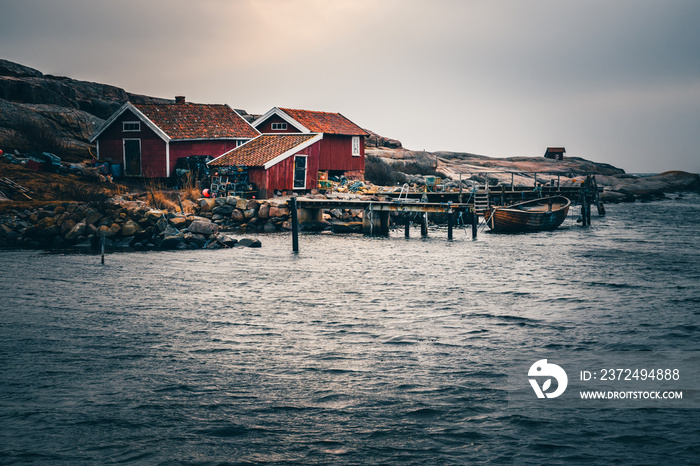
(342, 149)
(147, 139)
(276, 162)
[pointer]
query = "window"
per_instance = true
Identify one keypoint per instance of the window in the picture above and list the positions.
(356, 146)
(279, 126)
(128, 126)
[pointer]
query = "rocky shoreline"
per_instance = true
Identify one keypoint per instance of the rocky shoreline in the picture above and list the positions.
(134, 225)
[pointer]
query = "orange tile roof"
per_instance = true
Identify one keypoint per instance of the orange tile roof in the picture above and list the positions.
(261, 150)
(324, 122)
(198, 121)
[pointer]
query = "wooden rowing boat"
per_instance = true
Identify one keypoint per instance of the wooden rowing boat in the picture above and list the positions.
(535, 215)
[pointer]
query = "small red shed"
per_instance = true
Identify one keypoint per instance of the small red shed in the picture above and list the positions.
(342, 149)
(556, 153)
(277, 162)
(147, 139)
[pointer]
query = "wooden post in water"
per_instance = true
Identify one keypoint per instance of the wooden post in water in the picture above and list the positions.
(588, 211)
(407, 227)
(449, 224)
(103, 248)
(295, 224)
(424, 225)
(475, 222)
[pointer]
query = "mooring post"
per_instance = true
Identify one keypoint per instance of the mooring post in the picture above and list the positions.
(449, 224)
(424, 225)
(103, 248)
(588, 211)
(295, 224)
(384, 223)
(407, 228)
(475, 222)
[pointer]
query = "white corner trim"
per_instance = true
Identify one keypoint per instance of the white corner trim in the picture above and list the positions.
(284, 116)
(167, 159)
(293, 151)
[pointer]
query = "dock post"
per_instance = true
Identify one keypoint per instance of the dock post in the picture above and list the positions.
(295, 224)
(449, 224)
(588, 211)
(475, 223)
(407, 227)
(384, 223)
(424, 225)
(103, 248)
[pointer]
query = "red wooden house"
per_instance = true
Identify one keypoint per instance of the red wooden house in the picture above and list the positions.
(342, 149)
(147, 139)
(276, 162)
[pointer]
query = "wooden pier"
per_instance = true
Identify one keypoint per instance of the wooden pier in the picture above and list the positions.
(466, 204)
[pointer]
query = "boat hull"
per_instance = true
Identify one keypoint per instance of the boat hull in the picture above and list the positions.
(529, 216)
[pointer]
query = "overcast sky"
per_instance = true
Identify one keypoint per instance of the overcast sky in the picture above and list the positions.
(614, 81)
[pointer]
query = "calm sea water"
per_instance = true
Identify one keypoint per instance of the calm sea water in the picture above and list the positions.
(356, 351)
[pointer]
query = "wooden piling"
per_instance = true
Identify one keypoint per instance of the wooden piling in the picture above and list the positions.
(384, 223)
(103, 248)
(475, 223)
(407, 227)
(449, 224)
(424, 225)
(295, 224)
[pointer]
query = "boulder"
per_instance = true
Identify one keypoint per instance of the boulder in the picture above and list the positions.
(171, 242)
(237, 216)
(223, 210)
(227, 241)
(250, 243)
(130, 228)
(67, 225)
(270, 227)
(252, 204)
(280, 211)
(46, 222)
(75, 232)
(92, 216)
(170, 231)
(161, 224)
(203, 227)
(104, 231)
(242, 204)
(178, 222)
(250, 213)
(153, 216)
(195, 239)
(264, 211)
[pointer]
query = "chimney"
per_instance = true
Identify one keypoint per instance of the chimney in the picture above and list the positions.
(179, 99)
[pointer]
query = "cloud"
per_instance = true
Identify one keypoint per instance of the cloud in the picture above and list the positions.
(614, 81)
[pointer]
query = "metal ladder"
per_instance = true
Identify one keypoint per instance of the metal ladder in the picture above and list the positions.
(481, 201)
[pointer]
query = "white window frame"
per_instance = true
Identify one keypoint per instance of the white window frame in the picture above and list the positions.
(278, 126)
(125, 123)
(356, 146)
(306, 170)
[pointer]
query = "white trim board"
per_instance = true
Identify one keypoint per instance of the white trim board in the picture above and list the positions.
(294, 150)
